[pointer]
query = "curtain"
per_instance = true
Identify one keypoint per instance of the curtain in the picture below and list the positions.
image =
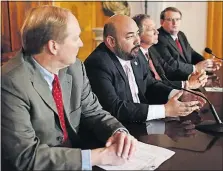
(214, 28)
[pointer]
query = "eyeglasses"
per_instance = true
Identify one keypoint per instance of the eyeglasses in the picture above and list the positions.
(172, 19)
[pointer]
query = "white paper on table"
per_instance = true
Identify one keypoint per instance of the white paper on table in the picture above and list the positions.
(147, 157)
(214, 89)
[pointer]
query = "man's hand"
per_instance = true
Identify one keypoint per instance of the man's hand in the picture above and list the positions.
(126, 144)
(119, 148)
(209, 65)
(217, 63)
(174, 107)
(197, 80)
(187, 97)
(106, 156)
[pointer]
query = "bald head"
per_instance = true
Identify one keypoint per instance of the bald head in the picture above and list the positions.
(118, 24)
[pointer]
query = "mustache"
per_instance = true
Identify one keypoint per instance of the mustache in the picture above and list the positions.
(137, 46)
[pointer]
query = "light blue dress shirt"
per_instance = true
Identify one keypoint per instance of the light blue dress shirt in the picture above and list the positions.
(49, 77)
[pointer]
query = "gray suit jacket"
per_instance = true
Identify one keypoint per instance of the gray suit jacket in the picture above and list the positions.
(31, 134)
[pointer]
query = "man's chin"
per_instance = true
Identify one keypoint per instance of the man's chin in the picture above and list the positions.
(174, 32)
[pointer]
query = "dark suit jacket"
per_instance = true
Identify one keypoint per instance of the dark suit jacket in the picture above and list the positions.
(168, 48)
(31, 134)
(110, 84)
(158, 62)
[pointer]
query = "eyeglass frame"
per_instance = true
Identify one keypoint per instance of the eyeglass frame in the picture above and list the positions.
(173, 19)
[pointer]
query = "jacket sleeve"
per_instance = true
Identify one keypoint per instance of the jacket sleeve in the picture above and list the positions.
(196, 57)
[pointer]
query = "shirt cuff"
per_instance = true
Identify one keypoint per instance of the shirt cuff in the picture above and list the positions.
(155, 127)
(183, 84)
(155, 112)
(121, 130)
(172, 93)
(194, 69)
(86, 160)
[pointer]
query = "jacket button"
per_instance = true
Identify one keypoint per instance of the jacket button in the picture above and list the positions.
(60, 139)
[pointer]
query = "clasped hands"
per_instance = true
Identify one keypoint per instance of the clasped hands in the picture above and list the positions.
(119, 148)
(209, 65)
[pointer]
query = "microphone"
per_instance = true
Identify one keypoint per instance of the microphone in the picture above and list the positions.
(205, 126)
(209, 51)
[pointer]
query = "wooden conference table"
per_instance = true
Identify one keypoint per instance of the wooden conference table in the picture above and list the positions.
(195, 150)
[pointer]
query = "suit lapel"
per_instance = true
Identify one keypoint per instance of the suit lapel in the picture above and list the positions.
(66, 86)
(172, 42)
(40, 84)
(137, 70)
(155, 57)
(118, 66)
(42, 87)
(183, 47)
(122, 73)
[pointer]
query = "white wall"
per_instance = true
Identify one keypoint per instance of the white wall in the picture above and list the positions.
(194, 23)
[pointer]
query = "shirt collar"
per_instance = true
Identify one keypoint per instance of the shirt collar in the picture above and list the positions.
(124, 62)
(144, 51)
(48, 76)
(174, 37)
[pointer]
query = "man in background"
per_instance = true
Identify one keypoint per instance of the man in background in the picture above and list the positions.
(158, 66)
(122, 81)
(46, 95)
(174, 43)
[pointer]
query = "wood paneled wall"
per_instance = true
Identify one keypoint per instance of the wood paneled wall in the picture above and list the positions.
(13, 15)
(89, 15)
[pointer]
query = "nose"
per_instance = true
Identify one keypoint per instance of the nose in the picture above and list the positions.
(80, 43)
(173, 21)
(137, 40)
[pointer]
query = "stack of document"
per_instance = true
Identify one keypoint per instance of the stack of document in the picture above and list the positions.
(214, 89)
(147, 157)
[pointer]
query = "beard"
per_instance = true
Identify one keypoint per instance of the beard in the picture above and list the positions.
(126, 55)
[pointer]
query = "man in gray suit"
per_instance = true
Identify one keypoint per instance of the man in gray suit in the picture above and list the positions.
(46, 95)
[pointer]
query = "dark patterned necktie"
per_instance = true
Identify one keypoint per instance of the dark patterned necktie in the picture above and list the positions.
(152, 67)
(179, 45)
(57, 95)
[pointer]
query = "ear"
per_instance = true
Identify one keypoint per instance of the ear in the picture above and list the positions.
(111, 41)
(161, 22)
(53, 47)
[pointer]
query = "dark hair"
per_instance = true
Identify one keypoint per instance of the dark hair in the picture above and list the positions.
(42, 24)
(162, 14)
(139, 19)
(109, 30)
